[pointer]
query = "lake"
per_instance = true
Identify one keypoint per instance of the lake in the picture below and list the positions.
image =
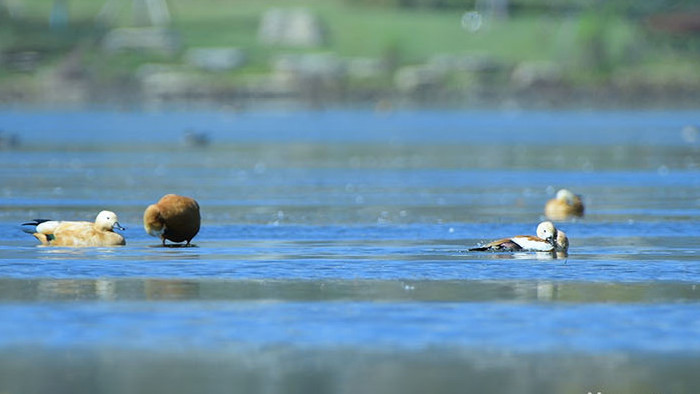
(333, 255)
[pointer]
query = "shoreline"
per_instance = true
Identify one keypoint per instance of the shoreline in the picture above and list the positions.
(582, 99)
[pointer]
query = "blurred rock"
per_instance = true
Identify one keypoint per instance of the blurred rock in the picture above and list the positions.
(320, 65)
(412, 79)
(291, 27)
(149, 69)
(465, 63)
(21, 60)
(147, 39)
(315, 78)
(536, 74)
(162, 82)
(363, 68)
(69, 81)
(215, 59)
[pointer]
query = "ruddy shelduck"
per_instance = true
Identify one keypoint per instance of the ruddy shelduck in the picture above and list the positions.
(69, 233)
(545, 241)
(175, 218)
(565, 205)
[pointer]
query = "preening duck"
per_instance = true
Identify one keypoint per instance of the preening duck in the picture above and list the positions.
(175, 218)
(544, 241)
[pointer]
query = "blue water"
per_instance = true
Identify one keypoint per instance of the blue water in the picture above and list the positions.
(333, 255)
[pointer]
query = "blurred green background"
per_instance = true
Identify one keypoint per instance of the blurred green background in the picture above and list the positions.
(378, 52)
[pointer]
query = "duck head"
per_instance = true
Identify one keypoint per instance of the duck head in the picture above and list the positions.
(107, 221)
(547, 231)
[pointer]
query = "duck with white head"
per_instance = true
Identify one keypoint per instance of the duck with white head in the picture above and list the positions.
(77, 233)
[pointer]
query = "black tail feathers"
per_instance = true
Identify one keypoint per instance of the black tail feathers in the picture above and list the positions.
(30, 227)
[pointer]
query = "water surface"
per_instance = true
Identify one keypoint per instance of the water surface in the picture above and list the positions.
(333, 253)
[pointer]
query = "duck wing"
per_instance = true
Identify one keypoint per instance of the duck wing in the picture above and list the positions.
(505, 244)
(45, 226)
(529, 242)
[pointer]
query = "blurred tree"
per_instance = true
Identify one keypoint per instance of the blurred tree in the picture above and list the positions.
(628, 7)
(7, 9)
(593, 55)
(145, 12)
(58, 19)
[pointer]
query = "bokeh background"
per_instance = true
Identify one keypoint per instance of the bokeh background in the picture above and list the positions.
(384, 53)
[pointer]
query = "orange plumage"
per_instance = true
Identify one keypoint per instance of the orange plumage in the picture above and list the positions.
(78, 234)
(175, 218)
(565, 205)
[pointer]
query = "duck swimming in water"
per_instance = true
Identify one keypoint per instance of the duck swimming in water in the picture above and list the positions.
(79, 234)
(545, 241)
(565, 205)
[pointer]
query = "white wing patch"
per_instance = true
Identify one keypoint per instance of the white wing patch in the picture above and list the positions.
(47, 227)
(531, 243)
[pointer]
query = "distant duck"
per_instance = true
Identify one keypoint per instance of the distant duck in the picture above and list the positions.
(544, 241)
(175, 218)
(565, 205)
(195, 139)
(68, 233)
(8, 140)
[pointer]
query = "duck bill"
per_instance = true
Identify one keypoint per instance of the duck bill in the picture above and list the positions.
(118, 226)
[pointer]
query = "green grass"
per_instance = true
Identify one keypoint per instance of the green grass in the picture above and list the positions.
(372, 32)
(591, 46)
(414, 35)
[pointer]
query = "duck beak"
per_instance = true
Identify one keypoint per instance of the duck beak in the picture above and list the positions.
(119, 226)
